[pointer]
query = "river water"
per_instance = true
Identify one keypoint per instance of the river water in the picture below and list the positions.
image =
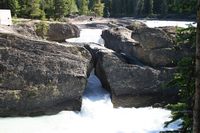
(97, 114)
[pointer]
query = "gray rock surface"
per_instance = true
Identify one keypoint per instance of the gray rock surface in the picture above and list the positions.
(38, 77)
(152, 38)
(131, 85)
(55, 31)
(61, 31)
(152, 46)
(136, 25)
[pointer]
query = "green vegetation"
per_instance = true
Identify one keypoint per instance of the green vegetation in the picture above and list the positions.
(42, 29)
(14, 7)
(83, 7)
(184, 79)
(58, 9)
(98, 8)
(35, 11)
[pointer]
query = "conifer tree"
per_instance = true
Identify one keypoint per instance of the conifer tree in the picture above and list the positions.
(48, 7)
(83, 10)
(98, 8)
(71, 7)
(107, 8)
(4, 4)
(14, 6)
(35, 11)
(148, 8)
(140, 7)
(60, 9)
(164, 7)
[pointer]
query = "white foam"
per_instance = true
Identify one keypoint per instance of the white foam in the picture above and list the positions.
(88, 35)
(97, 116)
(162, 23)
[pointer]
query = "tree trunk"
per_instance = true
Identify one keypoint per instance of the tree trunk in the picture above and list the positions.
(196, 114)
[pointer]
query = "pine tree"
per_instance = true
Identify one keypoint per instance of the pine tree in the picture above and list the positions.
(35, 11)
(60, 9)
(48, 7)
(107, 8)
(164, 7)
(71, 7)
(4, 4)
(25, 8)
(140, 7)
(83, 10)
(14, 6)
(148, 7)
(98, 8)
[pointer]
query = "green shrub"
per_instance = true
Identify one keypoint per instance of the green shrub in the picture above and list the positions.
(42, 29)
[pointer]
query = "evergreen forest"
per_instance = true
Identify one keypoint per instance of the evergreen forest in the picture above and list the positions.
(39, 9)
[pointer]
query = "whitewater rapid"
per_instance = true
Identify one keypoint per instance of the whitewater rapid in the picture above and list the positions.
(97, 114)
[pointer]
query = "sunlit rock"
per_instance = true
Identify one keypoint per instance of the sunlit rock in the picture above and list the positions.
(38, 77)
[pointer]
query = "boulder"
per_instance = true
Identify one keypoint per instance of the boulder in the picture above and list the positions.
(119, 40)
(46, 30)
(25, 30)
(60, 32)
(132, 85)
(136, 25)
(152, 38)
(171, 31)
(152, 46)
(40, 77)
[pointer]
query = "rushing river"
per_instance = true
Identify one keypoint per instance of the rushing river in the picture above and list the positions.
(97, 114)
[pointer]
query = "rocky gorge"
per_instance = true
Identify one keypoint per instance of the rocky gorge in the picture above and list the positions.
(43, 77)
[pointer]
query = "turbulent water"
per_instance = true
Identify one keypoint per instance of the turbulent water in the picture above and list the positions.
(89, 35)
(161, 23)
(97, 114)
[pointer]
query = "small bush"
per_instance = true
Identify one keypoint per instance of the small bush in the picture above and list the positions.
(42, 29)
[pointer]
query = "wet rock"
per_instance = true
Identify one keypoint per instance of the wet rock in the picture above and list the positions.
(38, 77)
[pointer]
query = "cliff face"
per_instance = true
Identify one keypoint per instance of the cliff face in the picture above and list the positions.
(40, 77)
